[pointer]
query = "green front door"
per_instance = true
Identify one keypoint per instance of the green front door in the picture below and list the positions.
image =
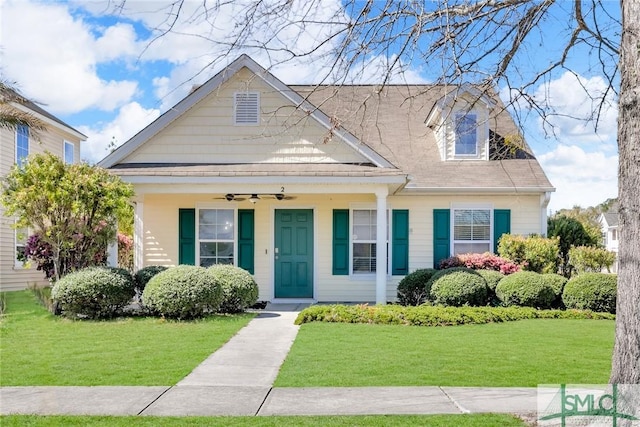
(294, 253)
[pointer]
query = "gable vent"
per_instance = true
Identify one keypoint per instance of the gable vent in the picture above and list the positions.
(247, 105)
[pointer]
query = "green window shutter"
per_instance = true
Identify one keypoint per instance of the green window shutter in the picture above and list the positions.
(340, 242)
(501, 225)
(400, 242)
(246, 234)
(441, 236)
(187, 236)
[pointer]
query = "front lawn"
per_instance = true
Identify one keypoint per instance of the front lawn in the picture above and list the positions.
(37, 348)
(513, 354)
(471, 420)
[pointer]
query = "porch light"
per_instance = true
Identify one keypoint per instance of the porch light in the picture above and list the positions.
(254, 198)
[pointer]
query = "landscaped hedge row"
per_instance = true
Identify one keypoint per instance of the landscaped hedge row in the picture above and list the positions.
(461, 286)
(181, 292)
(434, 315)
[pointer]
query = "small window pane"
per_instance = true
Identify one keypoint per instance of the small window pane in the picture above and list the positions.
(364, 258)
(216, 234)
(472, 230)
(466, 134)
(22, 144)
(68, 152)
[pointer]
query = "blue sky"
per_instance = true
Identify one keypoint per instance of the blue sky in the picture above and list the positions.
(100, 73)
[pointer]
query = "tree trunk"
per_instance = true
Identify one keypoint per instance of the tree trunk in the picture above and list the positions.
(626, 353)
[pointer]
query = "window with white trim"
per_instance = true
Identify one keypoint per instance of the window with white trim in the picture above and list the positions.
(471, 231)
(68, 152)
(22, 144)
(466, 129)
(246, 108)
(364, 241)
(216, 236)
(21, 236)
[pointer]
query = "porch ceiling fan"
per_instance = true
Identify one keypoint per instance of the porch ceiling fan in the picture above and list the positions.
(254, 197)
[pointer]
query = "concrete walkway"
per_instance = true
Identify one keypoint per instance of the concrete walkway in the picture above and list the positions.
(237, 380)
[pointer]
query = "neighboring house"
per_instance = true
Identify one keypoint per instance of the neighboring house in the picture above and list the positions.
(60, 139)
(327, 193)
(610, 233)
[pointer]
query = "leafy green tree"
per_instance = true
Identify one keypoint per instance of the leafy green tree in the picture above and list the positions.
(570, 233)
(74, 208)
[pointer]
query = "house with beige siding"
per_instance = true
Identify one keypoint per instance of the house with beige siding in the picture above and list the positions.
(328, 193)
(15, 146)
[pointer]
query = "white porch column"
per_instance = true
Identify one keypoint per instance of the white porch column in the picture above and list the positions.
(137, 236)
(381, 245)
(112, 251)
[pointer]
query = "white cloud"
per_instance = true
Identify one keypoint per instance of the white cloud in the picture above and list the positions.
(130, 120)
(54, 57)
(575, 100)
(580, 178)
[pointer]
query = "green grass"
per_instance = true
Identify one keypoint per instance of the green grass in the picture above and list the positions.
(473, 420)
(37, 348)
(514, 354)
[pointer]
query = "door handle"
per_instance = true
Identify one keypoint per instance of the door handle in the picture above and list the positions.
(276, 250)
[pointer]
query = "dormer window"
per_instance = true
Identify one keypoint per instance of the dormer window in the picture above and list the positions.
(246, 108)
(466, 125)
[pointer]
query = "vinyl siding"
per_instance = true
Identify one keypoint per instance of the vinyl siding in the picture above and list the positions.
(206, 133)
(160, 234)
(13, 277)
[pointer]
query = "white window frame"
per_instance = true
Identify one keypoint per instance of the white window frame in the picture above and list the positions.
(19, 160)
(234, 240)
(17, 263)
(462, 114)
(236, 101)
(352, 240)
(472, 207)
(65, 145)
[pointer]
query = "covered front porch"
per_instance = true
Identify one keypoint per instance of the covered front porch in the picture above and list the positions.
(305, 239)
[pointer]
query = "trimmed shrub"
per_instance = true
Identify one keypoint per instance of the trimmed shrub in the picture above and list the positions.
(591, 259)
(182, 292)
(426, 315)
(533, 253)
(484, 261)
(458, 286)
(591, 291)
(239, 290)
(557, 282)
(145, 274)
(525, 288)
(94, 292)
(412, 289)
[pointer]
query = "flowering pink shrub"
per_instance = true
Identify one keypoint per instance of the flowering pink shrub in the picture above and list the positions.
(125, 251)
(485, 261)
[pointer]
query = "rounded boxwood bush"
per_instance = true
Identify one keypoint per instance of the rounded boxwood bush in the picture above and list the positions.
(525, 288)
(591, 291)
(182, 292)
(145, 274)
(239, 290)
(458, 286)
(412, 289)
(95, 292)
